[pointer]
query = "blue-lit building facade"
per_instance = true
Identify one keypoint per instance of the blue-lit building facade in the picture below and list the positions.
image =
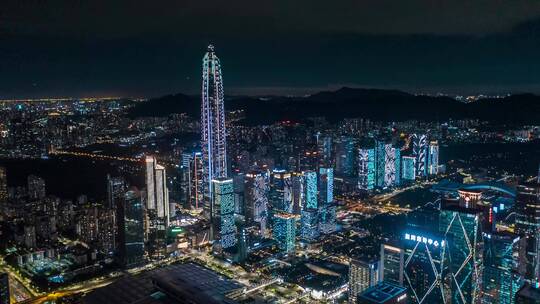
(284, 231)
(408, 168)
(423, 267)
(501, 280)
(309, 225)
(463, 257)
(281, 191)
(213, 141)
(223, 211)
(327, 207)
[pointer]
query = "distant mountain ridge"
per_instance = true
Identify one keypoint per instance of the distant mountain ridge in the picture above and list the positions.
(375, 104)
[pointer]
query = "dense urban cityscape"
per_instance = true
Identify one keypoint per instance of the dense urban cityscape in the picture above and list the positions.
(142, 208)
(354, 194)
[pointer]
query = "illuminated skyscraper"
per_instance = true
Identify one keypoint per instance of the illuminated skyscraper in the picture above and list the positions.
(298, 192)
(223, 211)
(309, 225)
(366, 169)
(327, 208)
(392, 261)
(423, 268)
(463, 254)
(157, 194)
(213, 143)
(256, 196)
(433, 158)
(420, 150)
(380, 158)
(310, 178)
(284, 231)
(362, 275)
(501, 280)
(528, 227)
(345, 156)
(408, 172)
(281, 191)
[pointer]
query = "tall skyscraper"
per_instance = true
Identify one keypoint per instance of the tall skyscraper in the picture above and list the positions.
(256, 197)
(116, 188)
(130, 214)
(501, 280)
(408, 172)
(310, 178)
(392, 264)
(281, 190)
(223, 211)
(380, 158)
(309, 225)
(433, 158)
(327, 207)
(366, 169)
(420, 150)
(423, 268)
(284, 231)
(213, 142)
(345, 154)
(528, 227)
(157, 194)
(463, 257)
(362, 275)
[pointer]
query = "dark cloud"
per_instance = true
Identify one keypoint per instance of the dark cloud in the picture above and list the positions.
(148, 48)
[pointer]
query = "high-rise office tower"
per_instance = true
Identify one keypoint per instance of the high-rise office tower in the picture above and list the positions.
(345, 154)
(310, 179)
(366, 169)
(528, 227)
(408, 172)
(390, 165)
(222, 211)
(501, 279)
(284, 231)
(256, 197)
(195, 180)
(420, 150)
(327, 207)
(213, 142)
(392, 262)
(362, 275)
(324, 148)
(433, 158)
(5, 294)
(423, 268)
(281, 191)
(36, 187)
(309, 225)
(462, 231)
(116, 187)
(157, 194)
(380, 158)
(130, 214)
(298, 192)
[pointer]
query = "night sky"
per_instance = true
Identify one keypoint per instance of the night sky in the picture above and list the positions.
(151, 48)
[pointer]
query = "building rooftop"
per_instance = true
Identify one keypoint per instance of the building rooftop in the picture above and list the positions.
(382, 293)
